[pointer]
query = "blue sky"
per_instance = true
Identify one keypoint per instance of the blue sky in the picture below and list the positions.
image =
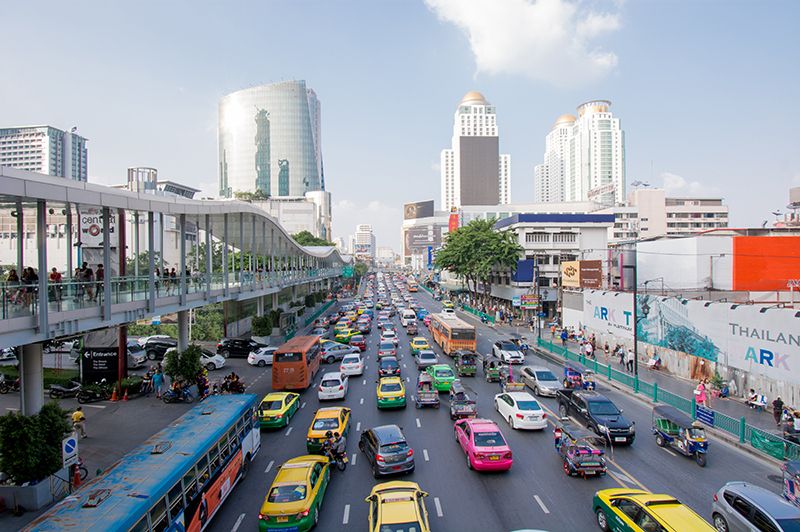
(706, 90)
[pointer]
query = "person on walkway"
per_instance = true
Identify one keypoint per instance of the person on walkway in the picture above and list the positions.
(589, 350)
(777, 410)
(99, 276)
(552, 330)
(87, 281)
(79, 422)
(701, 397)
(55, 283)
(564, 337)
(606, 353)
(629, 360)
(13, 282)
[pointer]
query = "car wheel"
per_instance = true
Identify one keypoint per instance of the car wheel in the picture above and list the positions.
(226, 353)
(316, 515)
(375, 472)
(261, 364)
(210, 366)
(496, 405)
(536, 391)
(660, 440)
(720, 523)
(330, 360)
(152, 355)
(455, 434)
(602, 521)
(469, 462)
(511, 422)
(562, 411)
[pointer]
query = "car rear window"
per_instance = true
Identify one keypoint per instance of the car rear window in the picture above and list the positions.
(489, 439)
(388, 363)
(528, 405)
(386, 345)
(327, 423)
(271, 405)
(331, 382)
(427, 355)
(444, 373)
(508, 346)
(288, 357)
(350, 360)
(357, 339)
(288, 493)
(394, 447)
(391, 387)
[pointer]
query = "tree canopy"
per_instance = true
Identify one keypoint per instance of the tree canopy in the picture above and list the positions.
(474, 250)
(305, 238)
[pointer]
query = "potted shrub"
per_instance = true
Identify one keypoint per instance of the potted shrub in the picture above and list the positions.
(261, 329)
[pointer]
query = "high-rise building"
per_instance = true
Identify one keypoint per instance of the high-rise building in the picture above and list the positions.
(363, 242)
(473, 170)
(269, 140)
(584, 158)
(46, 150)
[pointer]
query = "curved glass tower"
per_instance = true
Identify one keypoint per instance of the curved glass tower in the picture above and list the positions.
(269, 140)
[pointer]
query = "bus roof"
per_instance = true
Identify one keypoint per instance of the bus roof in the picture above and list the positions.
(298, 344)
(141, 477)
(452, 321)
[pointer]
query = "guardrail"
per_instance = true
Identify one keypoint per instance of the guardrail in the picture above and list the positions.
(759, 439)
(478, 313)
(319, 312)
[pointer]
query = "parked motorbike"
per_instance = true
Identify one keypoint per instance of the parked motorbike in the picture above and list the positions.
(58, 391)
(93, 393)
(8, 386)
(181, 396)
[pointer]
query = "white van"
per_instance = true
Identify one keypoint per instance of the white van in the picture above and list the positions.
(408, 317)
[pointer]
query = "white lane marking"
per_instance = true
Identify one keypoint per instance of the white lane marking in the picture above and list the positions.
(269, 466)
(358, 426)
(288, 431)
(419, 425)
(404, 365)
(425, 455)
(667, 451)
(364, 382)
(354, 458)
(95, 406)
(346, 518)
(302, 406)
(408, 379)
(238, 523)
(623, 477)
(362, 401)
(439, 512)
(541, 504)
(414, 398)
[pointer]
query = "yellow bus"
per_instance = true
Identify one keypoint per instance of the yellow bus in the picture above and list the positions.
(452, 334)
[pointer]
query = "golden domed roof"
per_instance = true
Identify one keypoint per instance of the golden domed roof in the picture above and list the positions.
(564, 119)
(474, 97)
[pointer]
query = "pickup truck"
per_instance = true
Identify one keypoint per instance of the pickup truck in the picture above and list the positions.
(598, 413)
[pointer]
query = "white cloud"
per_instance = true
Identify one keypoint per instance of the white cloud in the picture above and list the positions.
(679, 185)
(549, 40)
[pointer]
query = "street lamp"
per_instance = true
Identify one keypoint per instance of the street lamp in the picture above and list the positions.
(636, 318)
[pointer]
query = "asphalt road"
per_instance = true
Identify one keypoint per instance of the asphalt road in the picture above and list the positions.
(534, 494)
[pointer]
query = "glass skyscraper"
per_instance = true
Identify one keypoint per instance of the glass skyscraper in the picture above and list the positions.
(269, 140)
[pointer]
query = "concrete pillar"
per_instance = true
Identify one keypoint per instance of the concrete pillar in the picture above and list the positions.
(183, 330)
(259, 306)
(107, 297)
(31, 395)
(274, 301)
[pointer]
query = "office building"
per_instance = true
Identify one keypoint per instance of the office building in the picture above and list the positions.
(473, 170)
(46, 150)
(363, 242)
(584, 158)
(270, 141)
(310, 212)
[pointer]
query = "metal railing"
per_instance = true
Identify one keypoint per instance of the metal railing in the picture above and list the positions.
(478, 313)
(765, 442)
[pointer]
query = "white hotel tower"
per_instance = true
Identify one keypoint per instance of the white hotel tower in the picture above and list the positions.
(584, 158)
(474, 172)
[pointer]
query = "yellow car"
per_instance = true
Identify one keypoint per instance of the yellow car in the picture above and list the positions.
(331, 418)
(630, 510)
(397, 506)
(296, 494)
(391, 393)
(323, 341)
(447, 304)
(343, 336)
(352, 316)
(277, 408)
(341, 325)
(418, 344)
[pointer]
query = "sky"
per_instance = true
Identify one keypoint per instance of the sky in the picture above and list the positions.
(706, 91)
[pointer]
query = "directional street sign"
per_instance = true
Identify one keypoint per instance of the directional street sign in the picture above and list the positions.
(69, 449)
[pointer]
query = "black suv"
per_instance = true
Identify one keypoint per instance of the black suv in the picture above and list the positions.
(156, 347)
(387, 450)
(237, 347)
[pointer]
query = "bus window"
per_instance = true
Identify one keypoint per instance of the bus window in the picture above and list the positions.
(175, 497)
(141, 526)
(158, 515)
(288, 357)
(213, 459)
(232, 438)
(189, 484)
(202, 470)
(460, 334)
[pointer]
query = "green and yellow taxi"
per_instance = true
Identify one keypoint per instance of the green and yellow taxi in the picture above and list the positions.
(397, 506)
(331, 418)
(341, 325)
(442, 375)
(343, 336)
(391, 393)
(419, 344)
(631, 510)
(447, 304)
(295, 497)
(351, 316)
(277, 408)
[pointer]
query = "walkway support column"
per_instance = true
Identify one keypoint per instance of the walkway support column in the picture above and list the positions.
(182, 260)
(107, 263)
(41, 243)
(31, 394)
(20, 239)
(183, 330)
(151, 252)
(225, 253)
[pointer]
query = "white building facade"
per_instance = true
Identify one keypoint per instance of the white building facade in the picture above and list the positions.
(363, 243)
(473, 171)
(46, 150)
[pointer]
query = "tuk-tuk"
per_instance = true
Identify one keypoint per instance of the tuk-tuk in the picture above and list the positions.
(579, 457)
(791, 481)
(491, 368)
(577, 377)
(426, 394)
(509, 384)
(675, 429)
(461, 405)
(466, 363)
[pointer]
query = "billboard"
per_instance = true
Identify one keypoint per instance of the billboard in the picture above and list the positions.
(591, 274)
(417, 239)
(452, 222)
(419, 209)
(529, 301)
(765, 263)
(571, 274)
(362, 249)
(91, 228)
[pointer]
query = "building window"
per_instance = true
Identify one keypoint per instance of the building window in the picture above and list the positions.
(564, 237)
(535, 238)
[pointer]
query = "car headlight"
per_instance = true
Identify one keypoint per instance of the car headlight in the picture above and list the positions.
(632, 428)
(602, 428)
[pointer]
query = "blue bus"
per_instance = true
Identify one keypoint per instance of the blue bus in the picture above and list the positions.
(175, 481)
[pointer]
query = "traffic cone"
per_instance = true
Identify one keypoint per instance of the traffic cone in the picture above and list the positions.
(125, 397)
(76, 476)
(114, 395)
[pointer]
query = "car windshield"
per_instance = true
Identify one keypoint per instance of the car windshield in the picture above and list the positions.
(328, 383)
(357, 339)
(390, 387)
(388, 363)
(288, 493)
(444, 373)
(394, 447)
(489, 439)
(528, 405)
(789, 525)
(429, 356)
(545, 376)
(509, 346)
(271, 405)
(603, 408)
(328, 423)
(288, 357)
(350, 360)
(386, 345)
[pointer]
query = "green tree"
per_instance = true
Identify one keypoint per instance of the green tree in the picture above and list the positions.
(143, 259)
(251, 196)
(32, 444)
(475, 250)
(305, 238)
(262, 325)
(185, 365)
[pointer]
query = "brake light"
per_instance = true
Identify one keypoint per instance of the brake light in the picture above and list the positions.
(320, 388)
(302, 514)
(279, 416)
(480, 456)
(519, 416)
(715, 498)
(263, 517)
(341, 387)
(379, 458)
(219, 345)
(410, 453)
(507, 456)
(544, 416)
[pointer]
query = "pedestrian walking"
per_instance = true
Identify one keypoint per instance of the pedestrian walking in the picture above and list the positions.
(589, 350)
(564, 338)
(606, 353)
(629, 359)
(99, 276)
(79, 422)
(158, 382)
(777, 410)
(700, 395)
(55, 283)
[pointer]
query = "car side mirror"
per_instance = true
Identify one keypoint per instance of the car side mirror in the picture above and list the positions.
(584, 411)
(620, 410)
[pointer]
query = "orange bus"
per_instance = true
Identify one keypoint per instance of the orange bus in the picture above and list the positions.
(295, 363)
(412, 285)
(452, 334)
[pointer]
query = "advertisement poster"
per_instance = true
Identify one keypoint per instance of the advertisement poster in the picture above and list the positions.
(91, 227)
(591, 274)
(571, 274)
(529, 301)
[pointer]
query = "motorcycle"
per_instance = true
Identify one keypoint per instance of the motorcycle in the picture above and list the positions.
(58, 391)
(338, 459)
(8, 386)
(93, 393)
(181, 396)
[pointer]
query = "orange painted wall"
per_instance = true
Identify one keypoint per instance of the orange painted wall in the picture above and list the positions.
(765, 263)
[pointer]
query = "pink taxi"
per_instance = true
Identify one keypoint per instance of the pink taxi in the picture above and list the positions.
(484, 445)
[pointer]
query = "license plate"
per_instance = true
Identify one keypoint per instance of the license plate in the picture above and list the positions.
(620, 438)
(282, 519)
(397, 467)
(494, 458)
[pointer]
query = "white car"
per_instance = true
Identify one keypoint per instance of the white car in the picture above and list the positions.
(352, 364)
(261, 357)
(541, 380)
(211, 361)
(144, 339)
(508, 352)
(333, 386)
(521, 410)
(448, 311)
(389, 336)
